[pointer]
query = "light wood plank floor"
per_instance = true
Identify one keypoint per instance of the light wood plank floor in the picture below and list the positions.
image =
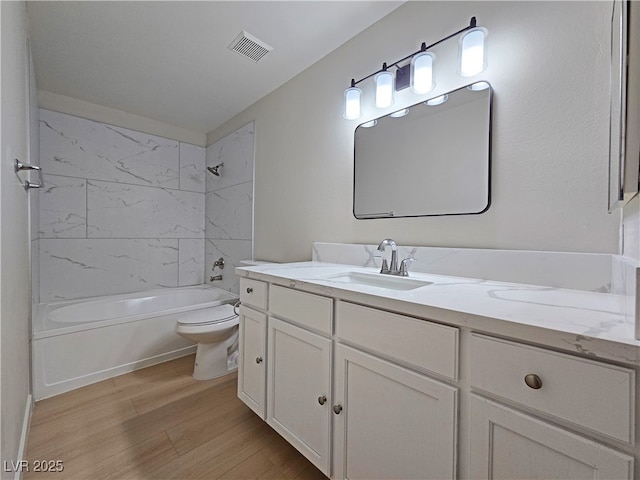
(159, 423)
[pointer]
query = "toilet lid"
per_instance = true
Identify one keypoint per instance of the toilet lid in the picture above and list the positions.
(208, 316)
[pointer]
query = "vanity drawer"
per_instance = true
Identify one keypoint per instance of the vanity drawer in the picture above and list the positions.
(594, 395)
(306, 309)
(254, 293)
(429, 346)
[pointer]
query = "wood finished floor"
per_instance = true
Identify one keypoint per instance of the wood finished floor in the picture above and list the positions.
(159, 423)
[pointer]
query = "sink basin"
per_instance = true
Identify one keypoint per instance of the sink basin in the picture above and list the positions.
(377, 280)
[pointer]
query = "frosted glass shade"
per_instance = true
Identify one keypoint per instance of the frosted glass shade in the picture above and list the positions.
(352, 103)
(437, 100)
(472, 55)
(422, 73)
(478, 86)
(384, 89)
(400, 113)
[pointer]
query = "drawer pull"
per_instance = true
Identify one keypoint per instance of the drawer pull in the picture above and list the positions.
(533, 381)
(322, 400)
(337, 409)
(258, 360)
(249, 290)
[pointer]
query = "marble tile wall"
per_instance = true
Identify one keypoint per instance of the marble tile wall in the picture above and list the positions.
(229, 206)
(121, 211)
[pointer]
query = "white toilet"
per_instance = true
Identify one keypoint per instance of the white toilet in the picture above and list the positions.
(215, 329)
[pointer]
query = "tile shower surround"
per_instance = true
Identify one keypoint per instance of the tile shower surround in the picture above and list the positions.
(229, 206)
(121, 211)
(125, 211)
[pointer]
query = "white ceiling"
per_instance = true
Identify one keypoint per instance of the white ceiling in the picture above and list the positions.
(169, 61)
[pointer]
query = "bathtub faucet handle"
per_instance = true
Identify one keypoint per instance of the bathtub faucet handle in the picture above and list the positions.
(218, 263)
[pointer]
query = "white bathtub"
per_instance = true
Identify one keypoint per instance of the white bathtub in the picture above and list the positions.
(79, 342)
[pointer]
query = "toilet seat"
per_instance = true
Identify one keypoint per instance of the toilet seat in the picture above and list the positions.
(208, 316)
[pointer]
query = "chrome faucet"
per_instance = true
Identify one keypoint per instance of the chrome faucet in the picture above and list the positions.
(219, 264)
(394, 257)
(392, 269)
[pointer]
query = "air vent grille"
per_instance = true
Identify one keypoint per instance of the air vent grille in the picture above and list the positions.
(250, 47)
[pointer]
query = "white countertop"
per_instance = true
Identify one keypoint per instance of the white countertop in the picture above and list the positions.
(587, 323)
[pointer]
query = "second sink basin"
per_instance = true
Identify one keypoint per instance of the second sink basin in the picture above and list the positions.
(377, 280)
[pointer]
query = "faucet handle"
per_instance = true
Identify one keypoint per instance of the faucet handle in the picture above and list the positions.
(404, 265)
(218, 263)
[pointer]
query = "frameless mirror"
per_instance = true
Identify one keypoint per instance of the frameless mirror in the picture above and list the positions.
(430, 159)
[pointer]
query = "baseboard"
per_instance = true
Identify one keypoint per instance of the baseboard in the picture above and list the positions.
(26, 423)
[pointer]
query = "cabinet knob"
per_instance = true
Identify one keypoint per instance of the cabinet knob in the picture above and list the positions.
(322, 400)
(249, 290)
(258, 359)
(337, 409)
(533, 381)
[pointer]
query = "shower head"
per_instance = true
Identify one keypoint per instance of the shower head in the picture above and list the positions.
(214, 169)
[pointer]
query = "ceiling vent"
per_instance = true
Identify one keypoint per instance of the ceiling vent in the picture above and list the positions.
(249, 46)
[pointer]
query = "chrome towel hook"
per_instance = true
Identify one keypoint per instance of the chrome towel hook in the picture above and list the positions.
(19, 166)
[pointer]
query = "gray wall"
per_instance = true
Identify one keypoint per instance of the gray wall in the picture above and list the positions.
(15, 295)
(548, 63)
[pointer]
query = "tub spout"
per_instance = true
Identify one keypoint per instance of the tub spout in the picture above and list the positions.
(215, 277)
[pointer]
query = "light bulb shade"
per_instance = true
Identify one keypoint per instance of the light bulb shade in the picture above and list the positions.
(384, 89)
(352, 103)
(478, 86)
(472, 52)
(422, 73)
(400, 113)
(437, 100)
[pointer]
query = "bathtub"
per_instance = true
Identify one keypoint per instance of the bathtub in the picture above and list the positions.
(76, 343)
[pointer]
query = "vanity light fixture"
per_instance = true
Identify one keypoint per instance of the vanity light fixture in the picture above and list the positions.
(384, 88)
(370, 124)
(422, 72)
(418, 73)
(352, 102)
(472, 52)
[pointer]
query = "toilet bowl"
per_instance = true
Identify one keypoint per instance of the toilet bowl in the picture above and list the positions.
(215, 329)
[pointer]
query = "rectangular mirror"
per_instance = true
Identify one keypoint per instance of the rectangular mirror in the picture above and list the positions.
(433, 160)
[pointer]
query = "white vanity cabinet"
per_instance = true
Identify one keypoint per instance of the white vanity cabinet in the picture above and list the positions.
(368, 393)
(299, 373)
(391, 421)
(253, 342)
(583, 394)
(508, 444)
(299, 390)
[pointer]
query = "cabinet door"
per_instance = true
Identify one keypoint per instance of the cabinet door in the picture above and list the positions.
(506, 444)
(252, 359)
(299, 396)
(393, 423)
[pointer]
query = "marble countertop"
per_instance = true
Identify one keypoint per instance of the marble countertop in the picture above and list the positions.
(587, 323)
